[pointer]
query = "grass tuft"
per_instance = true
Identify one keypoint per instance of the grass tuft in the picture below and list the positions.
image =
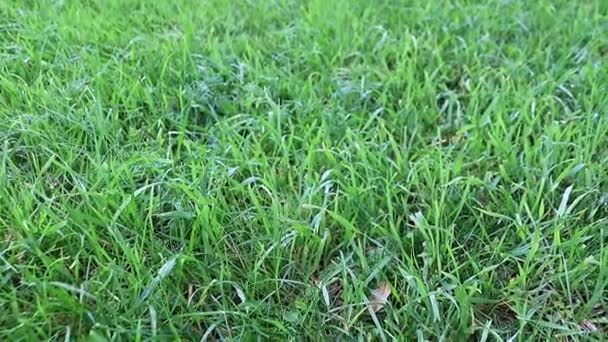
(231, 170)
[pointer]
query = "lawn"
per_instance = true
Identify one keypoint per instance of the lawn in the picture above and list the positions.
(314, 170)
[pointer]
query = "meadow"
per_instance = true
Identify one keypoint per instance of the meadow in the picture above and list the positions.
(312, 170)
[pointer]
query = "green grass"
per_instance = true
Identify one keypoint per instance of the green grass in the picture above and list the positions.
(238, 170)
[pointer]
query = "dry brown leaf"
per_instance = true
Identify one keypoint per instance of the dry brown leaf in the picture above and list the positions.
(190, 293)
(379, 296)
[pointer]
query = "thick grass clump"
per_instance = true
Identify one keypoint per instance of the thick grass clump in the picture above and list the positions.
(266, 169)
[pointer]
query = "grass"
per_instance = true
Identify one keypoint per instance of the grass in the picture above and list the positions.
(239, 170)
